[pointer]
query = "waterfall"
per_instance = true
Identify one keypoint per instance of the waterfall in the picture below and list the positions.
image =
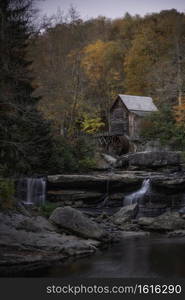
(136, 196)
(32, 191)
(105, 199)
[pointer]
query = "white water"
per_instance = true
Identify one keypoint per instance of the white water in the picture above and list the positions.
(136, 196)
(35, 191)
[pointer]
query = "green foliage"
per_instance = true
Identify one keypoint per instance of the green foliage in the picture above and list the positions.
(87, 163)
(158, 125)
(71, 155)
(47, 209)
(24, 135)
(92, 125)
(162, 125)
(7, 191)
(154, 64)
(62, 157)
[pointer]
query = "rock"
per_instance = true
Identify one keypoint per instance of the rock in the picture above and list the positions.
(155, 159)
(36, 224)
(32, 242)
(125, 214)
(134, 234)
(129, 226)
(103, 217)
(73, 195)
(95, 182)
(177, 233)
(149, 160)
(182, 211)
(76, 222)
(166, 222)
(169, 184)
(165, 191)
(145, 221)
(109, 159)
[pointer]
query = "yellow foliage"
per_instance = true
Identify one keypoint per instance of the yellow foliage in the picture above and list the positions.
(91, 125)
(102, 59)
(179, 112)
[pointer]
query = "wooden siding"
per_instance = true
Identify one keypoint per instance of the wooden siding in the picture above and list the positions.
(119, 119)
(134, 125)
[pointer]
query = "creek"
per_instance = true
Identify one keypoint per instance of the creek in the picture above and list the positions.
(157, 256)
(154, 256)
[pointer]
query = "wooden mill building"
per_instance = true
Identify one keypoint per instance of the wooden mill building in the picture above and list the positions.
(126, 115)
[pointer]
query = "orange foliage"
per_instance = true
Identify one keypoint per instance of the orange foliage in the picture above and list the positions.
(179, 112)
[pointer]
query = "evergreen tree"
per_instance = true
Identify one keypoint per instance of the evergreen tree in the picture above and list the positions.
(25, 142)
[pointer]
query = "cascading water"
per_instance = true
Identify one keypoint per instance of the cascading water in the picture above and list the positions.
(136, 196)
(106, 196)
(32, 191)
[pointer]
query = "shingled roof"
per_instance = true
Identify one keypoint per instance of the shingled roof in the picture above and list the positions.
(138, 103)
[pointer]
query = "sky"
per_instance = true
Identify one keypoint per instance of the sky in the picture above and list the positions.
(109, 8)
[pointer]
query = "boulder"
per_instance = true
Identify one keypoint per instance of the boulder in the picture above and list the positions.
(166, 222)
(176, 233)
(155, 159)
(76, 222)
(36, 224)
(125, 214)
(129, 226)
(149, 160)
(145, 221)
(29, 243)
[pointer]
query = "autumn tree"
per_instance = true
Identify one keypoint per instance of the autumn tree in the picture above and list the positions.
(102, 64)
(154, 64)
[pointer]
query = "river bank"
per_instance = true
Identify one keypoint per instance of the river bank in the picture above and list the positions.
(32, 243)
(91, 212)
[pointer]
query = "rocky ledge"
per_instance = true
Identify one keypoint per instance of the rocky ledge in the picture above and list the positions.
(166, 190)
(150, 160)
(32, 242)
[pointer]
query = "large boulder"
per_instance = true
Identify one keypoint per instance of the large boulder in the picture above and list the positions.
(155, 159)
(76, 222)
(168, 221)
(150, 160)
(145, 221)
(29, 243)
(125, 214)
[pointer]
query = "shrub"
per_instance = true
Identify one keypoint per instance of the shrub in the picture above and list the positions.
(72, 155)
(87, 164)
(7, 192)
(47, 209)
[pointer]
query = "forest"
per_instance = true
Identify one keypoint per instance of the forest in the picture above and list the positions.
(59, 77)
(58, 80)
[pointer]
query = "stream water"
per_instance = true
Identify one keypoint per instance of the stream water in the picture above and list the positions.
(153, 257)
(32, 191)
(138, 195)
